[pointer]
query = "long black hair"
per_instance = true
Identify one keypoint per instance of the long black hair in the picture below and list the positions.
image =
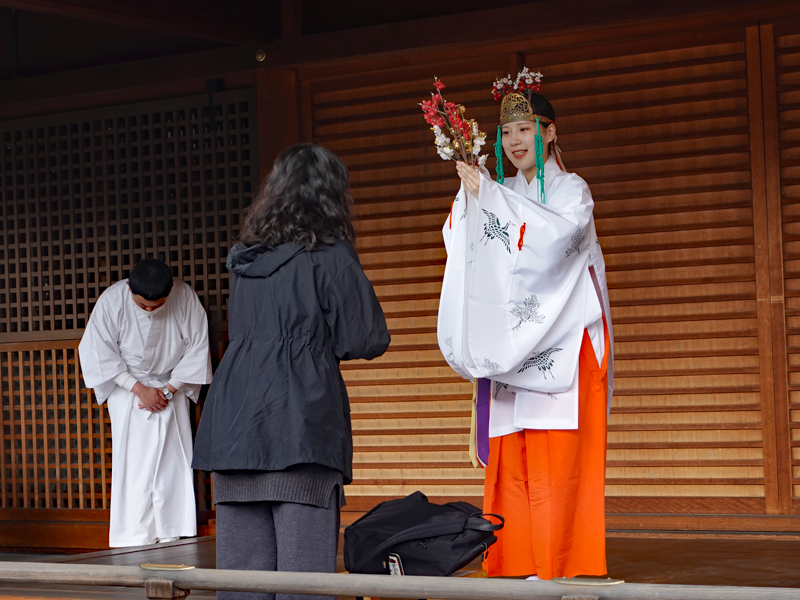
(304, 200)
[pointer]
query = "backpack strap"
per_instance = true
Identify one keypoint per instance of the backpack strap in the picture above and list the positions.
(481, 524)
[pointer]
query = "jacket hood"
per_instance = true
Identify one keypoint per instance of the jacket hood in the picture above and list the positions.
(258, 261)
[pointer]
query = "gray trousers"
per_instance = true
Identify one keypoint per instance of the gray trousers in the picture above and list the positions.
(282, 536)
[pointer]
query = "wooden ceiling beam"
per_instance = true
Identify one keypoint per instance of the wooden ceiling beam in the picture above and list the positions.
(210, 20)
(524, 21)
(337, 53)
(122, 83)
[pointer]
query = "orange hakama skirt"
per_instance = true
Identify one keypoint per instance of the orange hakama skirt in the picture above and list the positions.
(549, 485)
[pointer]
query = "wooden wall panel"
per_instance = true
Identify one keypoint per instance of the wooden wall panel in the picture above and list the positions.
(676, 224)
(663, 138)
(785, 79)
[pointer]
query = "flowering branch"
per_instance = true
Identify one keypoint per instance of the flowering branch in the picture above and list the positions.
(525, 81)
(465, 138)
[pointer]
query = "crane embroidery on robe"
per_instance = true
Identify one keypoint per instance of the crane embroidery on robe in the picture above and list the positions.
(493, 231)
(527, 312)
(577, 240)
(492, 368)
(499, 385)
(542, 361)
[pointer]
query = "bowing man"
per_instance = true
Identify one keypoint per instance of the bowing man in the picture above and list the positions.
(145, 353)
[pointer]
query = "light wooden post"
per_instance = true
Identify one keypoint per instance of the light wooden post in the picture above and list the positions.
(163, 589)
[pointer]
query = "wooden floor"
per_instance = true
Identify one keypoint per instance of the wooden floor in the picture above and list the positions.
(726, 560)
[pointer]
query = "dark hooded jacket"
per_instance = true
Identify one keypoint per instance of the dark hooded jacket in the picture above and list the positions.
(278, 398)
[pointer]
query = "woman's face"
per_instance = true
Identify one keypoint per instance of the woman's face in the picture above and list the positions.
(518, 138)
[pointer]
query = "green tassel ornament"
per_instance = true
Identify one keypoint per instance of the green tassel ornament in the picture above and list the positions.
(498, 154)
(539, 155)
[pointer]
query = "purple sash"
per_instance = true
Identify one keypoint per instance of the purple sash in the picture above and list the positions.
(482, 419)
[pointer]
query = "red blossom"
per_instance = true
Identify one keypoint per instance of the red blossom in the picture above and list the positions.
(449, 116)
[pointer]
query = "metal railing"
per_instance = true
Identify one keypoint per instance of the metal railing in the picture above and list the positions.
(169, 584)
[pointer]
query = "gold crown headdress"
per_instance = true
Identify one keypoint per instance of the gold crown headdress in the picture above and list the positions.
(516, 106)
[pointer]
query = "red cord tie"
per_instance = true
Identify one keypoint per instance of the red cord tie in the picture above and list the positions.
(521, 235)
(451, 213)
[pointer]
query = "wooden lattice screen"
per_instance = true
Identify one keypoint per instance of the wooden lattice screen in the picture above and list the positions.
(84, 197)
(56, 439)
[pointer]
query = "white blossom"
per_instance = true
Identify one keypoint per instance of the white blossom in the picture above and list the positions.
(528, 77)
(505, 80)
(442, 143)
(477, 142)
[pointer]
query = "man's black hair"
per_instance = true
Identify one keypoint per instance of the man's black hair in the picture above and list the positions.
(151, 279)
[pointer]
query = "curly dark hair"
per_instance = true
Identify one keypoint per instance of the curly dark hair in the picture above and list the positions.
(305, 200)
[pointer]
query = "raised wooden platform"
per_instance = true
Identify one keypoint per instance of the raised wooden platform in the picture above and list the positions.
(738, 560)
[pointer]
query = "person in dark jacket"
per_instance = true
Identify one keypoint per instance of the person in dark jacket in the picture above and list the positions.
(275, 430)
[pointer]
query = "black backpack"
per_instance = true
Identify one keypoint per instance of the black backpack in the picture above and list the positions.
(430, 539)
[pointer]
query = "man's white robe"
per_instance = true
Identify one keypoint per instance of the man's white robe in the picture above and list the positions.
(152, 492)
(523, 280)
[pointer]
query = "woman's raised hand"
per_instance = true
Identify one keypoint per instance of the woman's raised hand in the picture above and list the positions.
(470, 177)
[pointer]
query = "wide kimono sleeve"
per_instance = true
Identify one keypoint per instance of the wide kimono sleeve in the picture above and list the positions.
(516, 292)
(98, 350)
(194, 367)
(355, 316)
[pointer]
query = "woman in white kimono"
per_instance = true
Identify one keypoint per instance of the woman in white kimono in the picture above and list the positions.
(524, 306)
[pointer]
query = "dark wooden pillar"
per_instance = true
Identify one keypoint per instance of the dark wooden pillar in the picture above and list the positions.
(278, 122)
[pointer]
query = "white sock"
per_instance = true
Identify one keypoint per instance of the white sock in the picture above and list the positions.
(533, 578)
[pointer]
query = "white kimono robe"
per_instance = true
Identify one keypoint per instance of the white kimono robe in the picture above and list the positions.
(522, 281)
(152, 492)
